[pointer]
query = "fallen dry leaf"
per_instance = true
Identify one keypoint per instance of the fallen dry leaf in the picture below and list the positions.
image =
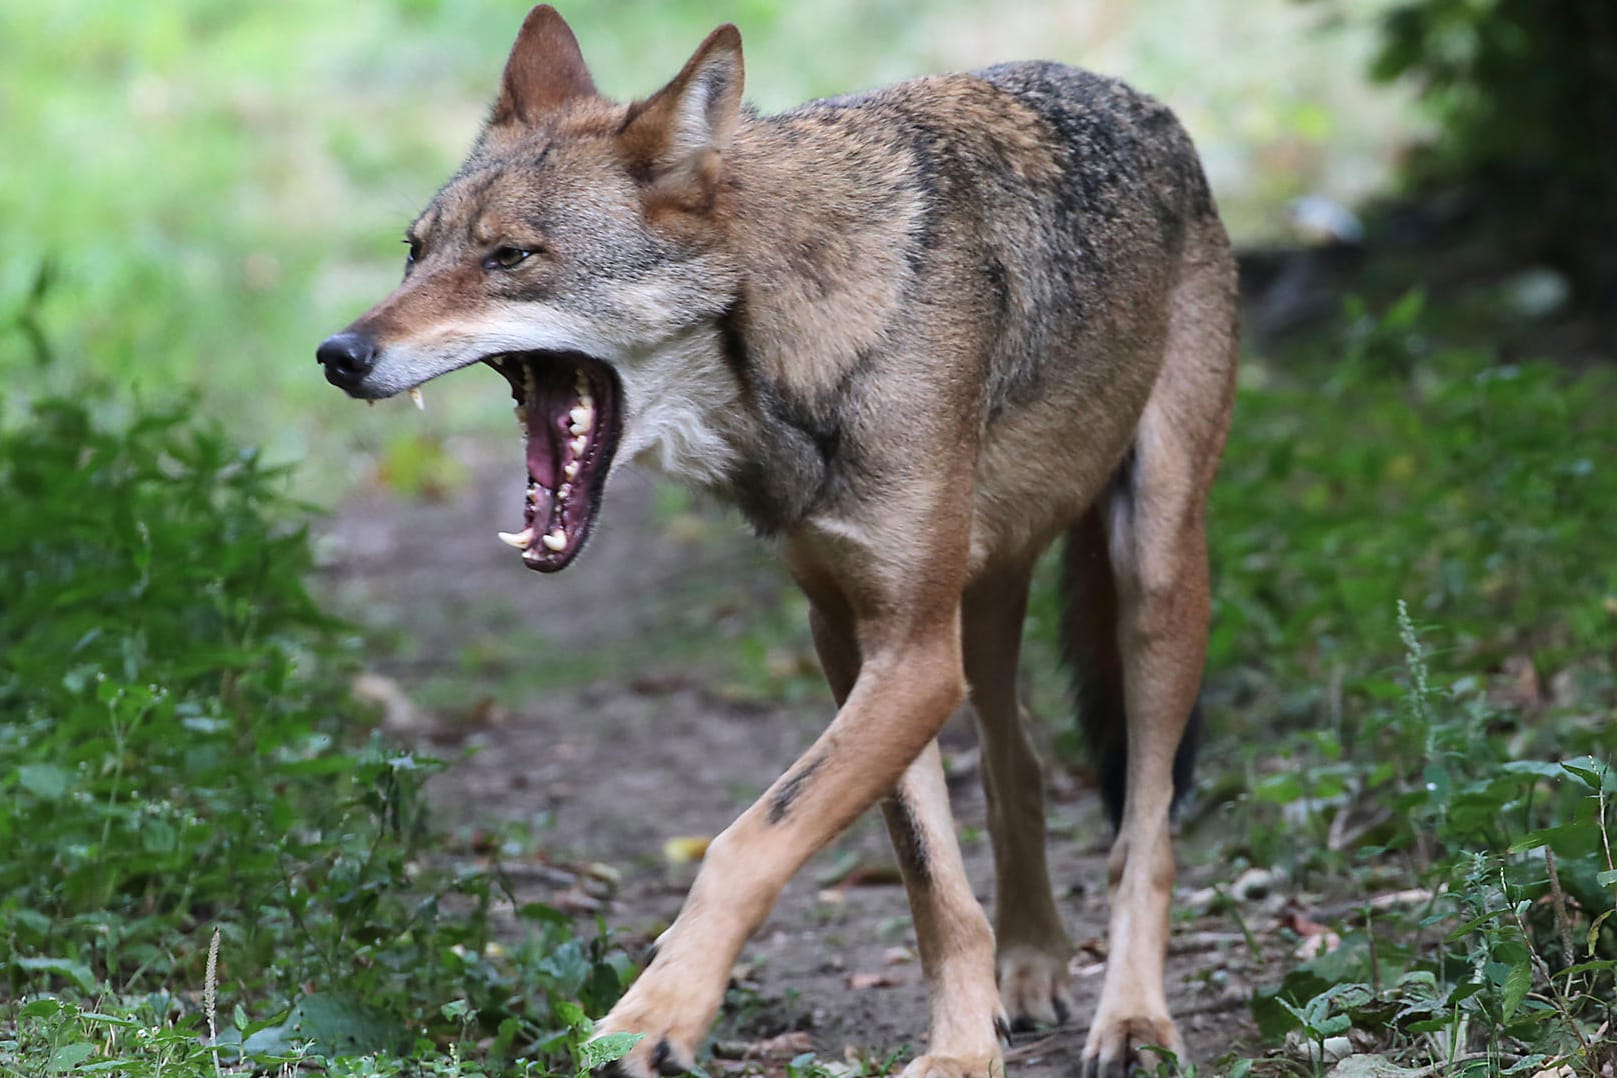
(686, 849)
(785, 1045)
(1301, 924)
(1315, 945)
(860, 980)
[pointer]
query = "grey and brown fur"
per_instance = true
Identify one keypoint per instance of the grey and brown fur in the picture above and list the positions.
(917, 335)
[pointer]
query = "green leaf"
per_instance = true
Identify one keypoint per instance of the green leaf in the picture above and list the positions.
(335, 1023)
(571, 1013)
(1281, 789)
(69, 1056)
(43, 1007)
(45, 781)
(1584, 774)
(1519, 980)
(77, 972)
(1594, 930)
(607, 1048)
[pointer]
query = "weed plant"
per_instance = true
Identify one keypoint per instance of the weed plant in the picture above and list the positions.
(180, 764)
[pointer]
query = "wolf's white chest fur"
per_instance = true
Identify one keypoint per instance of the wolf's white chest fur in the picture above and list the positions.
(680, 398)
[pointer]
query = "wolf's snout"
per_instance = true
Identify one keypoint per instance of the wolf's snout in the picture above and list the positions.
(347, 358)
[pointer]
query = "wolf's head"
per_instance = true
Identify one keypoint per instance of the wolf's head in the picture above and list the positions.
(578, 251)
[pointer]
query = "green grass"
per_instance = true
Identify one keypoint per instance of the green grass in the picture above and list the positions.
(195, 818)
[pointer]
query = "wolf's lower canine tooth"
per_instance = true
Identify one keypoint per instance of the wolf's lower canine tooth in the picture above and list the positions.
(556, 540)
(420, 401)
(522, 540)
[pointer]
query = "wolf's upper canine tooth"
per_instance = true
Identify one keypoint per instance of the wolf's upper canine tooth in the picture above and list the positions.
(522, 540)
(420, 401)
(556, 540)
(570, 469)
(581, 416)
(579, 443)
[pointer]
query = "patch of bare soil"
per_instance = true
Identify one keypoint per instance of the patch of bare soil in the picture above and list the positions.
(616, 768)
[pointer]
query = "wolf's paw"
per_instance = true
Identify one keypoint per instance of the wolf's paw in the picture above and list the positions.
(673, 1022)
(660, 1058)
(1033, 987)
(1118, 1044)
(940, 1066)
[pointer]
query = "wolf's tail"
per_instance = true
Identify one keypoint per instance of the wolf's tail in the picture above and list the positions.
(1089, 630)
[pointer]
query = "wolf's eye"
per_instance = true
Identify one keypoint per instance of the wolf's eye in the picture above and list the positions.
(506, 258)
(415, 253)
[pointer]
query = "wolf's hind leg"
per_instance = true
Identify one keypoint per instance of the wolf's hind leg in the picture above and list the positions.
(1154, 523)
(956, 946)
(1033, 948)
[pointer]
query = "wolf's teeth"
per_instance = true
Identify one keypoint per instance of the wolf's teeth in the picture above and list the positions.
(521, 412)
(570, 469)
(420, 401)
(581, 416)
(564, 491)
(556, 540)
(522, 540)
(579, 443)
(585, 400)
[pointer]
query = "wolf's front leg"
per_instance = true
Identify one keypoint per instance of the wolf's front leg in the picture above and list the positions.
(904, 693)
(965, 1020)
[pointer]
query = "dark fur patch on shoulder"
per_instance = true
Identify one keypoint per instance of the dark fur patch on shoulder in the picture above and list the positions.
(800, 455)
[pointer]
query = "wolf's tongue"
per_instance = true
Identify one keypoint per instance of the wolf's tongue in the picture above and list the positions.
(560, 418)
(551, 396)
(547, 430)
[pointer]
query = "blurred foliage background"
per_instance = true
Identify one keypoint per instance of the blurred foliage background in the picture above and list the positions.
(213, 187)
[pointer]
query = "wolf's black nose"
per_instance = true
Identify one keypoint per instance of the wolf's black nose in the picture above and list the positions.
(347, 358)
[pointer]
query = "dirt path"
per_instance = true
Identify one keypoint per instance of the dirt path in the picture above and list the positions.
(615, 768)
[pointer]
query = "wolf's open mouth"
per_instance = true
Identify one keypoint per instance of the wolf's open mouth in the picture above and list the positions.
(568, 408)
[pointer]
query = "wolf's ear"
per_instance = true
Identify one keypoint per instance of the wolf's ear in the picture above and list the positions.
(681, 127)
(545, 71)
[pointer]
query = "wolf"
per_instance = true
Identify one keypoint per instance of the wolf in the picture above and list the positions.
(916, 335)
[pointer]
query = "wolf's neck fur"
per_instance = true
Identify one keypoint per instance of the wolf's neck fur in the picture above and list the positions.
(684, 407)
(820, 221)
